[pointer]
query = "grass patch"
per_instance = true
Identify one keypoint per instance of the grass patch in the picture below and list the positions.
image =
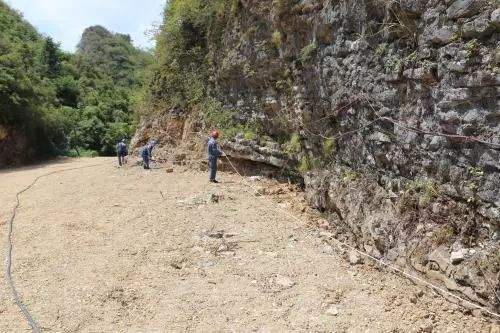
(380, 50)
(491, 263)
(249, 34)
(249, 135)
(285, 86)
(349, 175)
(476, 172)
(472, 48)
(412, 58)
(418, 193)
(426, 189)
(442, 235)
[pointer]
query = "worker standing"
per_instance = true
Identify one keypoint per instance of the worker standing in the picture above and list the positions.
(121, 150)
(213, 154)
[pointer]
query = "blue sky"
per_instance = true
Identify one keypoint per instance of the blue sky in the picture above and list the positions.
(65, 20)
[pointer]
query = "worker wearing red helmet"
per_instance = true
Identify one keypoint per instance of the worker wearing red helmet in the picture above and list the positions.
(213, 154)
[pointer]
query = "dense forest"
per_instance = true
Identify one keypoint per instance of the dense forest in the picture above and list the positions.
(54, 102)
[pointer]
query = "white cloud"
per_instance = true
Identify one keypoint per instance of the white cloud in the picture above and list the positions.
(65, 20)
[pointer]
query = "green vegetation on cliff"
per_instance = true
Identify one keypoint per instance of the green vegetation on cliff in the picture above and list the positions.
(184, 61)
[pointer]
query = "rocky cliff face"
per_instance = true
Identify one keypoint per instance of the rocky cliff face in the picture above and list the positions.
(379, 105)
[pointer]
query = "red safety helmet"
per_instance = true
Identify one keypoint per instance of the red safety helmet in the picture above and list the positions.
(214, 134)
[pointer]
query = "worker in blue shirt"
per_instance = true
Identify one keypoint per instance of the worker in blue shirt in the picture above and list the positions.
(121, 150)
(152, 144)
(213, 154)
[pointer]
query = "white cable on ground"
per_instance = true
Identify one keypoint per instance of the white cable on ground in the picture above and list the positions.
(381, 262)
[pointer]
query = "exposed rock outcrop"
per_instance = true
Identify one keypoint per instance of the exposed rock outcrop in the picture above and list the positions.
(353, 80)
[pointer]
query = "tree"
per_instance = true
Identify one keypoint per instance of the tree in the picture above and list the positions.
(51, 58)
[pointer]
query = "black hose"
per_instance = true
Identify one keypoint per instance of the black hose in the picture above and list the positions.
(8, 259)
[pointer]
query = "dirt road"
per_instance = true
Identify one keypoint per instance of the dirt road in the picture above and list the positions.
(104, 249)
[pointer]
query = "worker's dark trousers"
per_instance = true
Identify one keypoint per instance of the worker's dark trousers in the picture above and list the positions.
(212, 165)
(121, 159)
(145, 161)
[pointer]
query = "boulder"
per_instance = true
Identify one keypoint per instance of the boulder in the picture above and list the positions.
(284, 281)
(332, 310)
(354, 258)
(464, 8)
(440, 257)
(457, 257)
(454, 97)
(214, 197)
(480, 78)
(421, 73)
(479, 28)
(495, 18)
(495, 328)
(442, 36)
(380, 137)
(252, 151)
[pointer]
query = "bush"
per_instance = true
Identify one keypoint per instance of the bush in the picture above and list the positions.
(75, 153)
(277, 39)
(114, 133)
(215, 115)
(294, 145)
(184, 60)
(283, 7)
(235, 6)
(305, 164)
(329, 147)
(307, 53)
(3, 133)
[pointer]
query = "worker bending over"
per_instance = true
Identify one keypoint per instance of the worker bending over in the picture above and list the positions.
(147, 152)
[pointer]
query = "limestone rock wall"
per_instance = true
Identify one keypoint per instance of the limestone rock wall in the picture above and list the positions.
(323, 68)
(311, 71)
